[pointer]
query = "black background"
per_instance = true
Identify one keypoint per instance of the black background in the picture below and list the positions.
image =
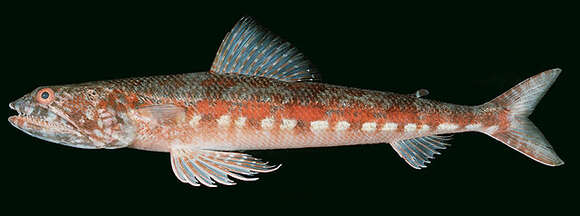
(464, 54)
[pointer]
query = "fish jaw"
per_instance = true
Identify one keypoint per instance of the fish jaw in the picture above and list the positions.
(40, 122)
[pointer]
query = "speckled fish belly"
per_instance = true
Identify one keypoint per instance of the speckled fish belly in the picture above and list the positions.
(261, 93)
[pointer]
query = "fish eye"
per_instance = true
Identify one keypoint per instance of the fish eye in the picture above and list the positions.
(45, 96)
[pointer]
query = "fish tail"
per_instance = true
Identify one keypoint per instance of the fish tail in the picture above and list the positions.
(517, 104)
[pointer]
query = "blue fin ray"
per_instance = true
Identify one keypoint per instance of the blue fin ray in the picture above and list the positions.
(205, 167)
(418, 151)
(252, 50)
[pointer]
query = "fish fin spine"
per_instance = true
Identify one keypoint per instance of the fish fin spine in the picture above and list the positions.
(521, 134)
(251, 50)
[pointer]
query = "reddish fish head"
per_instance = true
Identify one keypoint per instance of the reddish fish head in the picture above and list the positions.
(66, 115)
(40, 117)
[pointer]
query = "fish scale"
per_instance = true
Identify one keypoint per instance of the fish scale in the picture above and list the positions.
(262, 93)
(278, 100)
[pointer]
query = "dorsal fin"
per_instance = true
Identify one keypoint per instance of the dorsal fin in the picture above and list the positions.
(421, 93)
(252, 50)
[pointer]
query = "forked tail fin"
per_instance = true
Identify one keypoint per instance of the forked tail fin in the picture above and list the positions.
(522, 135)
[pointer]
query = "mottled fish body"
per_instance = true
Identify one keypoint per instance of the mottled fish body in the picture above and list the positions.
(261, 93)
(229, 112)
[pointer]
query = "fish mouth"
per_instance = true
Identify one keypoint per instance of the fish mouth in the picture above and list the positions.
(42, 123)
(28, 116)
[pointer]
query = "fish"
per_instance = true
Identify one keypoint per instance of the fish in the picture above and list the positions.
(262, 93)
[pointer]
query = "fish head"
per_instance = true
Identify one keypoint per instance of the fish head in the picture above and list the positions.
(69, 115)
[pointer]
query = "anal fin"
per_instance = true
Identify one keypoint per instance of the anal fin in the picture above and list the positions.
(206, 167)
(418, 151)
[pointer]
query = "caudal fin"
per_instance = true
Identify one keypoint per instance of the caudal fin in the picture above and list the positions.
(522, 135)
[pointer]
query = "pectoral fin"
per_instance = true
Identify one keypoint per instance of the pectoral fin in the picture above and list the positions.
(162, 114)
(206, 167)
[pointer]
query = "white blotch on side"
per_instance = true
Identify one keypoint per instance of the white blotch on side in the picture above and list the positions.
(369, 126)
(66, 109)
(50, 117)
(108, 121)
(424, 128)
(288, 124)
(473, 126)
(318, 125)
(447, 126)
(341, 126)
(194, 120)
(491, 129)
(224, 121)
(389, 126)
(410, 127)
(267, 123)
(89, 114)
(240, 122)
(100, 123)
(98, 133)
(105, 115)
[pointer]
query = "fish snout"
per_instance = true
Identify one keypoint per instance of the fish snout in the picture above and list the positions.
(24, 106)
(14, 106)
